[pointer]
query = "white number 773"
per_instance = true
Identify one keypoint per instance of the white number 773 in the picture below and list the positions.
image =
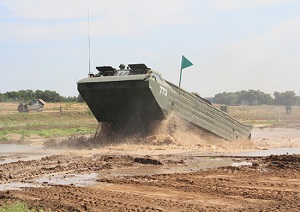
(163, 91)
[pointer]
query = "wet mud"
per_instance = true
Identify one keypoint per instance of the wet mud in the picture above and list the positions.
(163, 173)
(152, 183)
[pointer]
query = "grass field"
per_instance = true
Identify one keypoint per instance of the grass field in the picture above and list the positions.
(266, 115)
(17, 207)
(77, 119)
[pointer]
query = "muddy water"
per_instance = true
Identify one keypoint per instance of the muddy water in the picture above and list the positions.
(16, 186)
(194, 159)
(268, 152)
(191, 165)
(14, 148)
(68, 179)
(243, 163)
(13, 152)
(91, 179)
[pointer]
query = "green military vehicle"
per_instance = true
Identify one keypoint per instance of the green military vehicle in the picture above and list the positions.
(36, 105)
(131, 98)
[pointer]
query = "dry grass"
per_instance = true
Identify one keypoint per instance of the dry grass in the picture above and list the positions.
(77, 119)
(264, 115)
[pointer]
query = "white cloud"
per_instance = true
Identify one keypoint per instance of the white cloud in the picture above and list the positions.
(242, 4)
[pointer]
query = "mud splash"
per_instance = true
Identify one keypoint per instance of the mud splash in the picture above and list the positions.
(169, 134)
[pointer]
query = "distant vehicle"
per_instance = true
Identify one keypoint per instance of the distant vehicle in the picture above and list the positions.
(134, 97)
(33, 106)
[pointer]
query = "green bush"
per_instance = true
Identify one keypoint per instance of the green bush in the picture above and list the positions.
(16, 207)
(4, 138)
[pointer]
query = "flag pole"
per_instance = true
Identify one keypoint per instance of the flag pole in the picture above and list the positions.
(184, 64)
(180, 78)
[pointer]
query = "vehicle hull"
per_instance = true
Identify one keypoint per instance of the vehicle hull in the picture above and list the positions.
(134, 102)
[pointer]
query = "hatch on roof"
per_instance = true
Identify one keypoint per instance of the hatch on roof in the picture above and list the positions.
(138, 66)
(105, 68)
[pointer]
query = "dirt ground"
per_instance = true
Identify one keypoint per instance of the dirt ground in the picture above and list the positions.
(183, 172)
(174, 176)
(269, 184)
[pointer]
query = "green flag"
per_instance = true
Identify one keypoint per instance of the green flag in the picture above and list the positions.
(185, 63)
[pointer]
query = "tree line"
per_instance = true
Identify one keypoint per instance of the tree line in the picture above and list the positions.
(28, 95)
(257, 97)
(250, 97)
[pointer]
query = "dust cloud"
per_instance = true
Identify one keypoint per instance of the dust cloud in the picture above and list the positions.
(169, 134)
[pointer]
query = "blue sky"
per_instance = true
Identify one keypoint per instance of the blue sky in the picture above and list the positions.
(233, 44)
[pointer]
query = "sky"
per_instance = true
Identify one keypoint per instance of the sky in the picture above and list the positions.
(234, 44)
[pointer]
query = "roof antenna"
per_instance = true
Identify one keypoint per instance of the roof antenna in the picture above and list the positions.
(89, 43)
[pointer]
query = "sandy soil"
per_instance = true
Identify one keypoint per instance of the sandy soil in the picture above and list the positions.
(186, 173)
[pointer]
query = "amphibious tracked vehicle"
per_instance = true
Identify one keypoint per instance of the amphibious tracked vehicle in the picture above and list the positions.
(131, 98)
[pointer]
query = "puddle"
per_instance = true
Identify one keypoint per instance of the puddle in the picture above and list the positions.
(17, 186)
(15, 148)
(277, 151)
(16, 158)
(243, 163)
(193, 165)
(134, 171)
(13, 152)
(68, 179)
